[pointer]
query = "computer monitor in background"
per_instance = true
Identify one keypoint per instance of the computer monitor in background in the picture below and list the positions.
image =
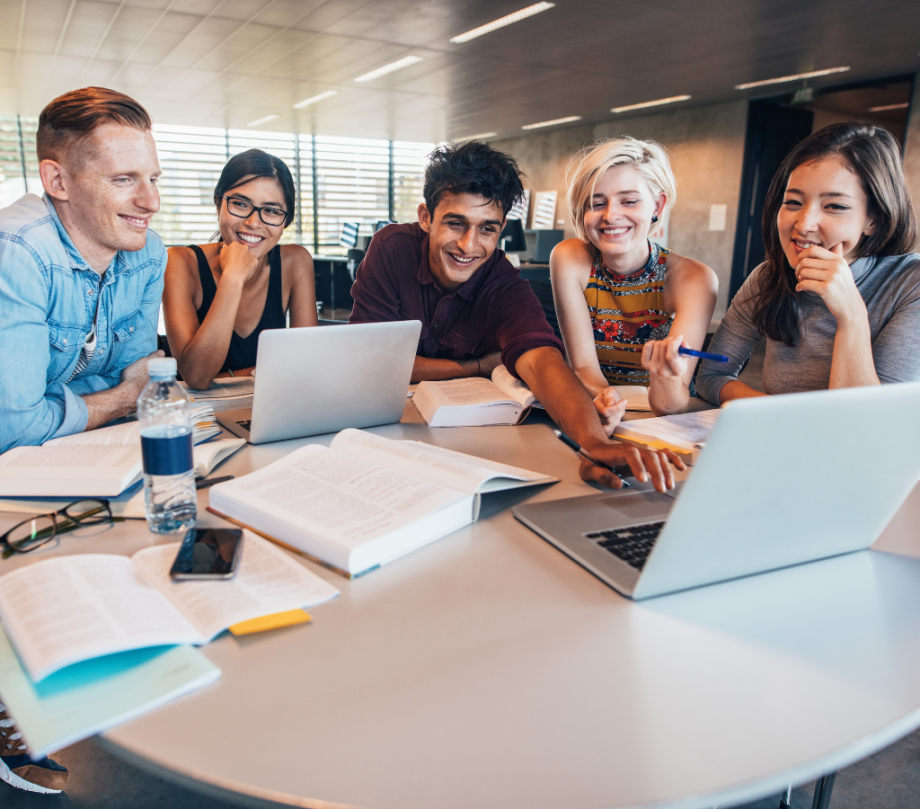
(542, 243)
(349, 237)
(382, 223)
(512, 238)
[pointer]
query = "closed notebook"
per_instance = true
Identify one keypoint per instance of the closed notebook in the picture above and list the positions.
(90, 697)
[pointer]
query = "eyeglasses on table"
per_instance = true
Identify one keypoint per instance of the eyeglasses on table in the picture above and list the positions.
(32, 533)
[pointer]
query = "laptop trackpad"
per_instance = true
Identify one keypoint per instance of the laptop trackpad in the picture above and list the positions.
(640, 506)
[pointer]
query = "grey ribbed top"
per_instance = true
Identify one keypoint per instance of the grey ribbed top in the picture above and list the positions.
(891, 289)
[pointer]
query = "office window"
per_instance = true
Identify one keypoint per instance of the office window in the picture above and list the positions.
(191, 159)
(352, 185)
(356, 179)
(18, 164)
(409, 161)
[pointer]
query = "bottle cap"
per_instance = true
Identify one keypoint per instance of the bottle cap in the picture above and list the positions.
(161, 368)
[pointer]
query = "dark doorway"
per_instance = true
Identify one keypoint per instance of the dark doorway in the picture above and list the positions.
(772, 130)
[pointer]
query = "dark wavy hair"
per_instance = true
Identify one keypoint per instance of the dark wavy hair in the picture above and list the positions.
(472, 168)
(873, 155)
(246, 166)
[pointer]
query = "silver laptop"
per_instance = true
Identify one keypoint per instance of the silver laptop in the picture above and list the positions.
(319, 380)
(782, 480)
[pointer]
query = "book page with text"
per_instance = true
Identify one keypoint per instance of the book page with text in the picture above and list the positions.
(333, 495)
(686, 430)
(267, 581)
(513, 388)
(73, 608)
(467, 391)
(456, 470)
(118, 435)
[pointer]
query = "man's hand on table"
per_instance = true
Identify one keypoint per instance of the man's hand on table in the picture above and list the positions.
(657, 466)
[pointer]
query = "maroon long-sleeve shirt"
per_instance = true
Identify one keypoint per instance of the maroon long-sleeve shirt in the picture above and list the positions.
(495, 310)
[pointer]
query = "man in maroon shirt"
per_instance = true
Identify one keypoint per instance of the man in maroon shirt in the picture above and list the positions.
(476, 310)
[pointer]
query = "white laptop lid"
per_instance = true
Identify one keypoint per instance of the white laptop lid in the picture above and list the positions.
(788, 479)
(323, 379)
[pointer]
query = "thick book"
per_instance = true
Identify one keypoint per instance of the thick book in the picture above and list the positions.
(98, 463)
(225, 394)
(684, 434)
(474, 401)
(72, 608)
(365, 500)
(93, 696)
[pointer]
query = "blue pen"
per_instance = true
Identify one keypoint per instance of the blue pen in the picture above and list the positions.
(703, 355)
(587, 455)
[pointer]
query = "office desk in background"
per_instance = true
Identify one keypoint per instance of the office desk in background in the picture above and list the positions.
(488, 670)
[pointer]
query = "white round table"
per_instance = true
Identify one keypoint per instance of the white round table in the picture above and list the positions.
(488, 670)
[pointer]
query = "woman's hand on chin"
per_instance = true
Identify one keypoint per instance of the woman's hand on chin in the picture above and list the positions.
(610, 407)
(826, 273)
(661, 358)
(237, 261)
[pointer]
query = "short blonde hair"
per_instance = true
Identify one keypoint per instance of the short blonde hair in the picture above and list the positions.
(649, 158)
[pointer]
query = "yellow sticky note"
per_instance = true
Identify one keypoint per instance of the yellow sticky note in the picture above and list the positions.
(275, 621)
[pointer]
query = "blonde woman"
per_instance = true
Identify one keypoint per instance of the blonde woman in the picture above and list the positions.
(625, 304)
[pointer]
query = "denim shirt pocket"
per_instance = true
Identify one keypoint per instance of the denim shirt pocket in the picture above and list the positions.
(126, 348)
(126, 328)
(66, 342)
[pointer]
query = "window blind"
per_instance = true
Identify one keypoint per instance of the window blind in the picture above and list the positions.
(356, 179)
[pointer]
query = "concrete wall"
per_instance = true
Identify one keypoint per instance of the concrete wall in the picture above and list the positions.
(706, 145)
(912, 150)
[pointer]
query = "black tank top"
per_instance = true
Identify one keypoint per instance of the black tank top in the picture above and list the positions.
(242, 351)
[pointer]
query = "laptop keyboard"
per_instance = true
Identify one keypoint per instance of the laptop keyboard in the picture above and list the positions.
(632, 545)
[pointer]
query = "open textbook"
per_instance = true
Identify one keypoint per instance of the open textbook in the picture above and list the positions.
(95, 695)
(685, 434)
(226, 394)
(474, 401)
(72, 608)
(98, 463)
(365, 500)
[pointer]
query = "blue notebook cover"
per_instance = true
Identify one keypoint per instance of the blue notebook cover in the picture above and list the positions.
(90, 697)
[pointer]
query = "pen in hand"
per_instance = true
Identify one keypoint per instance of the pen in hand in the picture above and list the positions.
(587, 455)
(703, 355)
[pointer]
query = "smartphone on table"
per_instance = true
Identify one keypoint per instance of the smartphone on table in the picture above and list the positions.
(208, 553)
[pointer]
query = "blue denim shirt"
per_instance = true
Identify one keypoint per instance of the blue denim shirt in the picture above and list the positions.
(48, 297)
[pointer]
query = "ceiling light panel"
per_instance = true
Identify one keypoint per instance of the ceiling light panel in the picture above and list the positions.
(797, 77)
(264, 120)
(399, 64)
(554, 122)
(315, 99)
(480, 136)
(658, 102)
(887, 107)
(501, 22)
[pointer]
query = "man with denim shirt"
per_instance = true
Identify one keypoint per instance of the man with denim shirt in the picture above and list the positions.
(81, 277)
(81, 280)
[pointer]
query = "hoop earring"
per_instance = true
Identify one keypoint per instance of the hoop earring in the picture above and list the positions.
(654, 219)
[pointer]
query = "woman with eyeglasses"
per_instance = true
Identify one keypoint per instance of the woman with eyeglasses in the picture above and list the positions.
(219, 297)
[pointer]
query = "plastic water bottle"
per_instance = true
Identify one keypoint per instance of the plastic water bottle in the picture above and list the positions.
(164, 413)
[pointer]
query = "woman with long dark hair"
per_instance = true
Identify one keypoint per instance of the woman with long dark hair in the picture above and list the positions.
(219, 297)
(838, 297)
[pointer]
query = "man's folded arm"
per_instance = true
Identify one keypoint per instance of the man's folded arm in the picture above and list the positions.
(31, 411)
